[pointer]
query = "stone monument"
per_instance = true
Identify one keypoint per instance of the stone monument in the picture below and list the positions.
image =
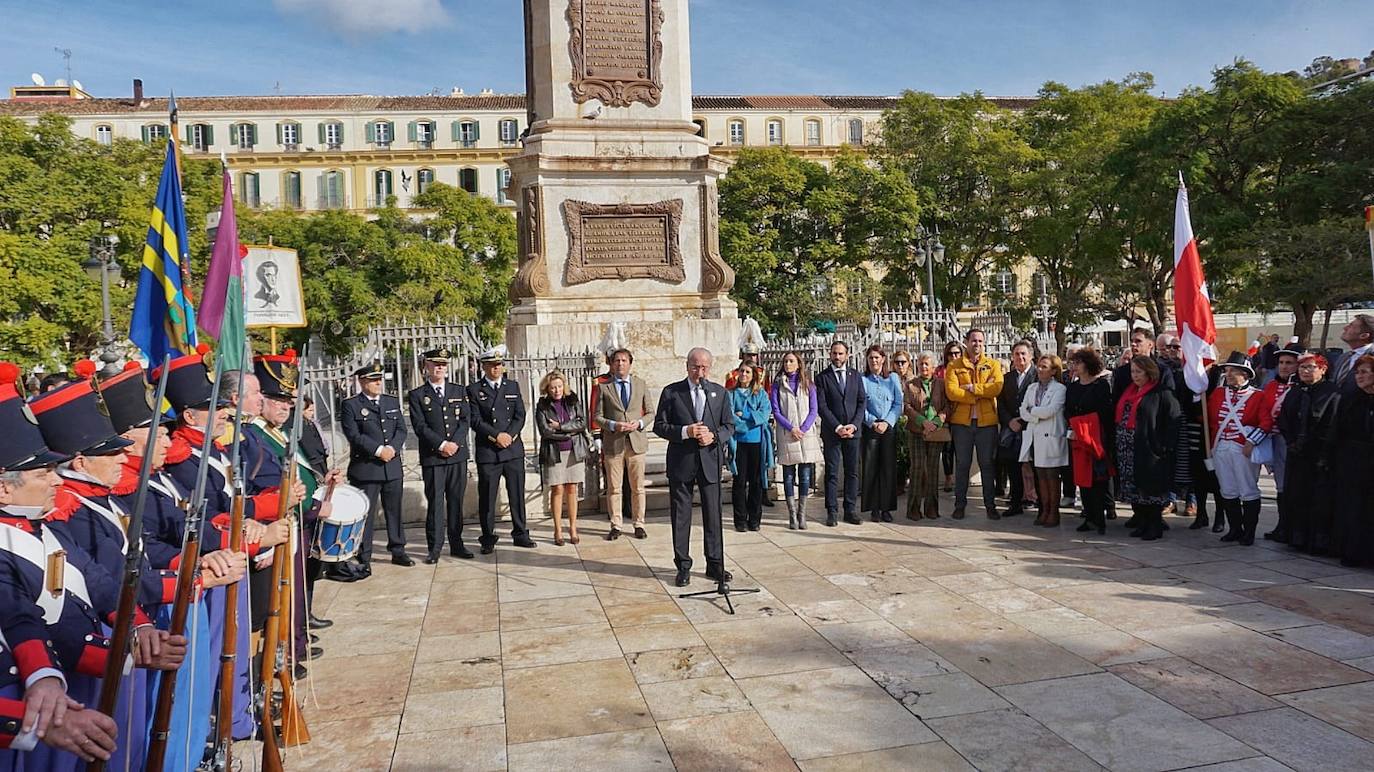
(616, 190)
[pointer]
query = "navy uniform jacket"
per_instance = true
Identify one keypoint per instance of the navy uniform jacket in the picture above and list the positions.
(437, 420)
(368, 426)
(676, 411)
(495, 411)
(74, 642)
(98, 535)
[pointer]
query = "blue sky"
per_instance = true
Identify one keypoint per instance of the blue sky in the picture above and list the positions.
(739, 46)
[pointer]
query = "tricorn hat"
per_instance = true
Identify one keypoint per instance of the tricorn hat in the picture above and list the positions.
(1240, 361)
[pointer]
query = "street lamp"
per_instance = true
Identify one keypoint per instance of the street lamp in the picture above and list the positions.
(99, 266)
(928, 251)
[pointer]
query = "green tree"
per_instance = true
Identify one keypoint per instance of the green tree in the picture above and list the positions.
(800, 236)
(1068, 219)
(963, 157)
(1311, 267)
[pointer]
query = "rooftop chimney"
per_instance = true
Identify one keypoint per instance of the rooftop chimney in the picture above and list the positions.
(138, 91)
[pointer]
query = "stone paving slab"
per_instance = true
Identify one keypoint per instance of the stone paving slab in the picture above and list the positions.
(940, 645)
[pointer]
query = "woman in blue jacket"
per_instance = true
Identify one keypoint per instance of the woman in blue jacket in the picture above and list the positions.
(750, 404)
(882, 408)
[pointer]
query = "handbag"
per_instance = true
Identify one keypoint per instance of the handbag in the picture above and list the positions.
(940, 435)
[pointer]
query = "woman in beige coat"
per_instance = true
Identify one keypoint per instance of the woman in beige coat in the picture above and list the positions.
(1045, 440)
(797, 433)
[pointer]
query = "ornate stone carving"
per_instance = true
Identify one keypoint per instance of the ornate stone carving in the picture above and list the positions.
(617, 51)
(716, 274)
(532, 277)
(623, 241)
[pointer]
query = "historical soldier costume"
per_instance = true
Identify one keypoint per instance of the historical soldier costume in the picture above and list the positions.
(498, 415)
(690, 402)
(439, 416)
(376, 433)
(1238, 421)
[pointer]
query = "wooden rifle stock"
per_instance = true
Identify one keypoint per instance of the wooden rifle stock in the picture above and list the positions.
(133, 567)
(162, 708)
(224, 722)
(271, 632)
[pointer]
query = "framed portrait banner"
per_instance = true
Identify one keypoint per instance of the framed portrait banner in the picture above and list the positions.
(272, 288)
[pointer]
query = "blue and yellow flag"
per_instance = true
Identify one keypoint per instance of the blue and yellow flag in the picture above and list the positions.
(164, 321)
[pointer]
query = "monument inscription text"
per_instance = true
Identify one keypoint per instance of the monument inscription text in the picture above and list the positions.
(616, 48)
(623, 241)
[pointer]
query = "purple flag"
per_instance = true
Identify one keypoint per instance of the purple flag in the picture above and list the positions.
(221, 305)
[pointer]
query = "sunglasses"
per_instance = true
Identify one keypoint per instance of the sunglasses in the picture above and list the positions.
(902, 361)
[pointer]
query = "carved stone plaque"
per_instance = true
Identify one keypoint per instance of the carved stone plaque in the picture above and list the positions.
(623, 241)
(617, 51)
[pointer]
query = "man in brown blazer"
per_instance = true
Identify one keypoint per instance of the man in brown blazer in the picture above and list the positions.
(624, 411)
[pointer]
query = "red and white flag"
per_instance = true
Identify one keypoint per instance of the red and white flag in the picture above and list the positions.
(1197, 332)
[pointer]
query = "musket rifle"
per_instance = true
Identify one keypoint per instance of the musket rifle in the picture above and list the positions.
(276, 665)
(121, 639)
(186, 574)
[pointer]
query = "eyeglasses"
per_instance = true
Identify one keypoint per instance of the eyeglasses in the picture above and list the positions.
(1175, 346)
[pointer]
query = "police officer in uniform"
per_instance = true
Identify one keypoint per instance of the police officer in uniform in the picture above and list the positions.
(373, 424)
(498, 415)
(439, 415)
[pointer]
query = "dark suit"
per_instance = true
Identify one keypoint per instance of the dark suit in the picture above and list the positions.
(495, 411)
(1008, 408)
(840, 408)
(369, 426)
(691, 465)
(438, 418)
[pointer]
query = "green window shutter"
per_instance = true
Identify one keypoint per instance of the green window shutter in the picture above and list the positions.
(455, 126)
(320, 127)
(476, 130)
(253, 134)
(144, 131)
(371, 131)
(209, 135)
(390, 131)
(411, 131)
(188, 133)
(279, 134)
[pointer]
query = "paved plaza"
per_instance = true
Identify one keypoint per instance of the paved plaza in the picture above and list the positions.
(940, 645)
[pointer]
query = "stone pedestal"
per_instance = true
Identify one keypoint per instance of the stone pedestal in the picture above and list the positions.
(617, 192)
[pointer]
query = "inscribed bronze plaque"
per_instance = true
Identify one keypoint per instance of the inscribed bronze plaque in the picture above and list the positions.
(617, 51)
(623, 241)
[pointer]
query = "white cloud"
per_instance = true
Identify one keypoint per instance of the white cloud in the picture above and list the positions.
(368, 17)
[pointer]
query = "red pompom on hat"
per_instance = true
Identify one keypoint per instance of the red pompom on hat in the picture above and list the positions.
(84, 369)
(203, 348)
(131, 365)
(291, 352)
(9, 373)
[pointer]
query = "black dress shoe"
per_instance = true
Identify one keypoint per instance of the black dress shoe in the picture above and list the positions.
(316, 652)
(341, 574)
(613, 535)
(853, 520)
(740, 527)
(525, 541)
(754, 526)
(431, 559)
(640, 533)
(719, 575)
(993, 514)
(461, 552)
(1014, 511)
(958, 514)
(316, 623)
(300, 672)
(831, 519)
(364, 571)
(487, 549)
(887, 517)
(313, 638)
(767, 502)
(402, 560)
(684, 577)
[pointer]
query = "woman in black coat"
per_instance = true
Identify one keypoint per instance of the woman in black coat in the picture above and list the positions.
(1147, 426)
(1309, 408)
(1351, 450)
(562, 450)
(1090, 393)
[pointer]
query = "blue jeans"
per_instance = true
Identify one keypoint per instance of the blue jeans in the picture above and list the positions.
(790, 475)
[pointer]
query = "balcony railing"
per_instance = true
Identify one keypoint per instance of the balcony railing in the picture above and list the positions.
(332, 202)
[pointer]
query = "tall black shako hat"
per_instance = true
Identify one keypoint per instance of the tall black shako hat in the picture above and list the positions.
(21, 442)
(1240, 361)
(74, 419)
(190, 380)
(129, 399)
(278, 374)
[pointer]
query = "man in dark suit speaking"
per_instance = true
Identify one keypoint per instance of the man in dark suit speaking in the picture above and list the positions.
(694, 417)
(840, 398)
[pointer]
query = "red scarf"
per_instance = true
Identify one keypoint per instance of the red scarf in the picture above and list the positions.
(1130, 398)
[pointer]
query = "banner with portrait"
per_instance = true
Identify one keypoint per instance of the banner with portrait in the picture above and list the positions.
(272, 288)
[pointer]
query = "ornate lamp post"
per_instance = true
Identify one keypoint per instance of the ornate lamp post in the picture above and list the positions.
(928, 251)
(99, 266)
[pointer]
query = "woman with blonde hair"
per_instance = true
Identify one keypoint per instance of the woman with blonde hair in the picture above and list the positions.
(925, 410)
(797, 434)
(749, 403)
(1045, 439)
(562, 425)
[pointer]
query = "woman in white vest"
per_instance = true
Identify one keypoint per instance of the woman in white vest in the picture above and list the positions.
(1045, 442)
(797, 434)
